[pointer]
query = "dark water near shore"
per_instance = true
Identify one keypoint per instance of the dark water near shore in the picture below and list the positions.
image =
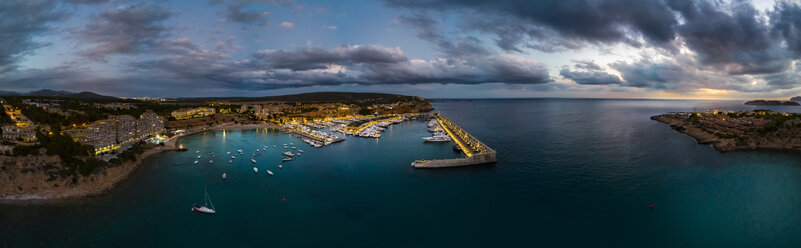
(570, 173)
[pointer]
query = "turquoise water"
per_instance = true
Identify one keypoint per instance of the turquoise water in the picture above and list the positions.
(570, 173)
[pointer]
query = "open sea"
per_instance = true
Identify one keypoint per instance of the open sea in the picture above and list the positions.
(571, 173)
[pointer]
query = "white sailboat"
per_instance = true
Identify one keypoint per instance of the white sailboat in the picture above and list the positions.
(204, 208)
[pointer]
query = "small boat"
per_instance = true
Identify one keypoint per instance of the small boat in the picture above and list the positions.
(224, 176)
(274, 146)
(230, 161)
(255, 170)
(240, 150)
(280, 166)
(211, 161)
(269, 172)
(286, 159)
(198, 156)
(233, 157)
(197, 161)
(204, 208)
(257, 150)
(294, 148)
(288, 153)
(291, 144)
(301, 150)
(227, 153)
(253, 160)
(196, 152)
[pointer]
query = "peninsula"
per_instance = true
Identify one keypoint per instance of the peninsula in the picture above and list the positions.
(738, 130)
(771, 103)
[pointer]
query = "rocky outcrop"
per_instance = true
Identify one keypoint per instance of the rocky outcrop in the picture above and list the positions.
(40, 177)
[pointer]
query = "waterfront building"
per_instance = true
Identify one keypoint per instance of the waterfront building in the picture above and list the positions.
(119, 131)
(25, 133)
(188, 113)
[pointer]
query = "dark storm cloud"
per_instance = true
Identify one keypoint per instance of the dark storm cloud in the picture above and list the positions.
(426, 29)
(236, 11)
(317, 58)
(593, 21)
(786, 22)
(125, 30)
(731, 37)
(20, 22)
(737, 40)
(90, 1)
(590, 73)
(310, 66)
(590, 77)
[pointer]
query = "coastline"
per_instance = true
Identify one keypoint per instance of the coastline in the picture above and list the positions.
(780, 140)
(96, 183)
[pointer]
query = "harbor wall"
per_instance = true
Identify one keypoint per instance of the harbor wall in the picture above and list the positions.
(484, 158)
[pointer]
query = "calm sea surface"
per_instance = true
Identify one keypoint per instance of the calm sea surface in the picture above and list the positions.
(571, 172)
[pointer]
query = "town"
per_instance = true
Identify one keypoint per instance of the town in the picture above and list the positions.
(82, 135)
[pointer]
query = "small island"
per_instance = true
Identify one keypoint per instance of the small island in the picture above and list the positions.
(771, 103)
(738, 130)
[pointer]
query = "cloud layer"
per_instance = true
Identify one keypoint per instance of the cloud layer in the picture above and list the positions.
(675, 46)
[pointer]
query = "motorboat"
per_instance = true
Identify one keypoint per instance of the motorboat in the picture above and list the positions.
(288, 153)
(280, 166)
(269, 172)
(197, 161)
(286, 159)
(253, 160)
(224, 176)
(255, 170)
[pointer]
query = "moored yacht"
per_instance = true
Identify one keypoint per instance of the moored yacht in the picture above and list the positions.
(204, 208)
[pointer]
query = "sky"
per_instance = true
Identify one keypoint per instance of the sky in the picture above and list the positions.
(670, 49)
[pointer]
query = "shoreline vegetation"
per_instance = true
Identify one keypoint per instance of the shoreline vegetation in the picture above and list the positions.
(58, 146)
(738, 130)
(24, 185)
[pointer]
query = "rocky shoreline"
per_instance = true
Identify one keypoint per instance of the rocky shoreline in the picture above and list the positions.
(738, 132)
(35, 178)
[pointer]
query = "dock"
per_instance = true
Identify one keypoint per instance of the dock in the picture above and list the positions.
(312, 136)
(475, 152)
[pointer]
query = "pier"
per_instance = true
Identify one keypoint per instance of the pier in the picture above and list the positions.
(475, 151)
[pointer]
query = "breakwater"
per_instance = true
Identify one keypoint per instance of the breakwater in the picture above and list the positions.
(475, 151)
